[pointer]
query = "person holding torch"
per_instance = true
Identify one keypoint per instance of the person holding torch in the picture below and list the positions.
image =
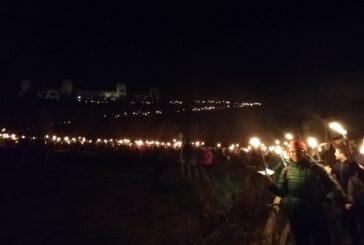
(343, 170)
(305, 185)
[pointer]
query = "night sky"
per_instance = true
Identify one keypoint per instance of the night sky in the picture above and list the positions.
(214, 48)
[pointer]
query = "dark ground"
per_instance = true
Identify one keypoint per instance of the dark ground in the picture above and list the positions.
(106, 198)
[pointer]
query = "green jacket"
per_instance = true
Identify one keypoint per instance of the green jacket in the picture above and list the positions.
(305, 185)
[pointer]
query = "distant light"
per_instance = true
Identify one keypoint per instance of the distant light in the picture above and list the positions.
(139, 142)
(288, 136)
(177, 144)
(255, 142)
(278, 150)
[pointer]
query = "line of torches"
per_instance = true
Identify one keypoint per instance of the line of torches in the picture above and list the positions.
(254, 143)
(311, 141)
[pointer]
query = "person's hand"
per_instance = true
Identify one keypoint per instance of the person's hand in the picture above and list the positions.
(328, 169)
(348, 206)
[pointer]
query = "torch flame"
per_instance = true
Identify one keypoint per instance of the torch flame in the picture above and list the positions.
(312, 142)
(361, 150)
(288, 136)
(338, 128)
(255, 142)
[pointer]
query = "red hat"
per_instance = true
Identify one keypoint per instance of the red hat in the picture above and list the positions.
(297, 144)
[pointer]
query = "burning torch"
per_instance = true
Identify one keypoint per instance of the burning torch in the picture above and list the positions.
(255, 142)
(338, 128)
(312, 142)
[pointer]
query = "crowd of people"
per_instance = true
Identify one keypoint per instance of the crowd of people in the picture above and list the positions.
(323, 192)
(324, 200)
(324, 197)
